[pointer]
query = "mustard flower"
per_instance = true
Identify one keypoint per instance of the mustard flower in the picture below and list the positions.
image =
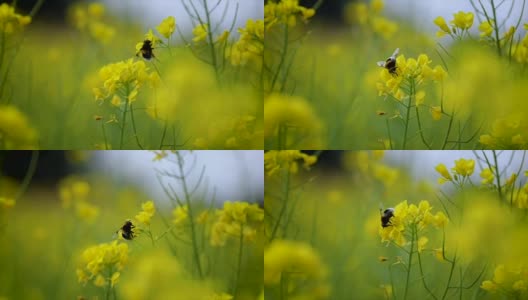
(147, 212)
(297, 263)
(406, 217)
(97, 262)
(250, 45)
(507, 133)
(436, 112)
(11, 22)
(369, 17)
(236, 219)
(464, 167)
(89, 19)
(274, 161)
(285, 12)
(487, 175)
(486, 28)
(441, 168)
(200, 32)
(167, 26)
(463, 20)
(181, 215)
(440, 22)
(508, 280)
(15, 130)
(75, 193)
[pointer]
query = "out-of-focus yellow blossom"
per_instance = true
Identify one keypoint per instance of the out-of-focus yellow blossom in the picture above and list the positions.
(250, 45)
(167, 26)
(422, 241)
(486, 28)
(237, 219)
(406, 217)
(97, 262)
(123, 76)
(487, 176)
(507, 133)
(440, 22)
(300, 265)
(75, 193)
(294, 118)
(274, 161)
(181, 215)
(369, 17)
(11, 22)
(15, 130)
(200, 32)
(508, 280)
(7, 203)
(508, 34)
(155, 275)
(463, 20)
(222, 296)
(285, 12)
(441, 168)
(436, 112)
(511, 180)
(90, 19)
(464, 167)
(148, 210)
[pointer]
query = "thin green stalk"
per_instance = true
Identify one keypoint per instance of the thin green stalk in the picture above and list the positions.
(134, 126)
(211, 41)
(239, 262)
(413, 234)
(453, 263)
(123, 119)
(191, 215)
(104, 135)
(496, 27)
(36, 8)
(407, 119)
(497, 174)
(286, 191)
(29, 174)
(423, 277)
(282, 58)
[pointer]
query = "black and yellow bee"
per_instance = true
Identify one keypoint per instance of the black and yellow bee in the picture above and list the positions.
(127, 230)
(146, 50)
(386, 216)
(390, 63)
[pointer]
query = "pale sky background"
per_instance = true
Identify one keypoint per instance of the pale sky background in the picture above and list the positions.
(237, 175)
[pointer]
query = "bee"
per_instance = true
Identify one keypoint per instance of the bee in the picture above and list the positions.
(127, 230)
(386, 216)
(146, 50)
(390, 63)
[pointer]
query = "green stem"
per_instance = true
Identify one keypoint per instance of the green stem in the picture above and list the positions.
(413, 235)
(282, 58)
(286, 191)
(211, 41)
(191, 215)
(123, 119)
(407, 118)
(239, 263)
(29, 174)
(134, 127)
(496, 27)
(104, 135)
(497, 174)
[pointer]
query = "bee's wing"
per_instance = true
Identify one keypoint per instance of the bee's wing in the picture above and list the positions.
(396, 52)
(381, 64)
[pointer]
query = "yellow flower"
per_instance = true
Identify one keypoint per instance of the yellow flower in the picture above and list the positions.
(200, 32)
(274, 161)
(440, 22)
(15, 129)
(441, 168)
(436, 112)
(167, 26)
(463, 20)
(422, 241)
(11, 22)
(236, 219)
(489, 286)
(464, 167)
(487, 176)
(148, 211)
(97, 261)
(419, 97)
(222, 38)
(181, 214)
(485, 28)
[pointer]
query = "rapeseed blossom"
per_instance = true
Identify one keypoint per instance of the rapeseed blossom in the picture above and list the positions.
(250, 45)
(101, 264)
(167, 26)
(275, 161)
(460, 172)
(238, 220)
(147, 212)
(89, 19)
(11, 22)
(369, 16)
(75, 193)
(200, 32)
(461, 22)
(15, 130)
(285, 12)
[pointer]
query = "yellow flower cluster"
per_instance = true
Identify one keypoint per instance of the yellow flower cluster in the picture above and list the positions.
(487, 175)
(407, 218)
(299, 267)
(181, 215)
(507, 133)
(520, 50)
(369, 16)
(75, 193)
(167, 26)
(294, 118)
(125, 78)
(90, 19)
(102, 263)
(520, 197)
(486, 28)
(10, 21)
(274, 161)
(200, 32)
(510, 281)
(15, 130)
(461, 21)
(285, 12)
(147, 212)
(237, 219)
(250, 45)
(463, 169)
(409, 72)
